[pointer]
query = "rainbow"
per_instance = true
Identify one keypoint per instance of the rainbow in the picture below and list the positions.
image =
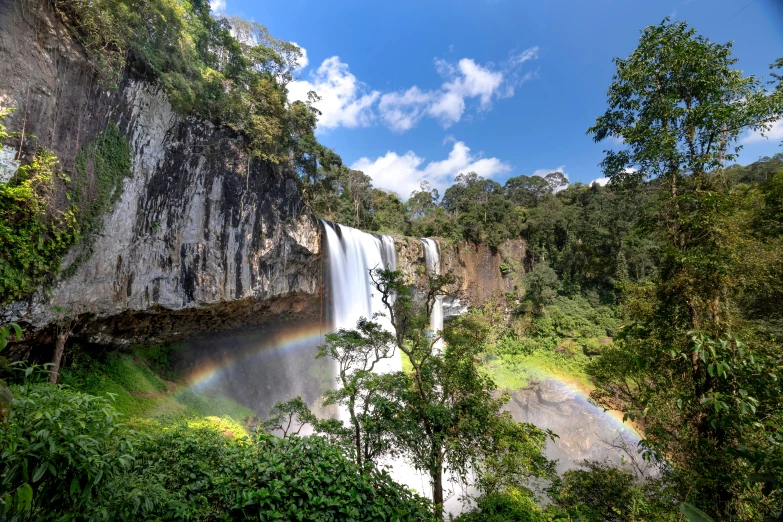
(580, 392)
(291, 341)
(303, 340)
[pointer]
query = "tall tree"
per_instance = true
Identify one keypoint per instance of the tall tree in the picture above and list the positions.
(445, 414)
(357, 352)
(679, 106)
(526, 190)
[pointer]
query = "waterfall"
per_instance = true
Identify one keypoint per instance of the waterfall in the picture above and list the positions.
(432, 263)
(351, 255)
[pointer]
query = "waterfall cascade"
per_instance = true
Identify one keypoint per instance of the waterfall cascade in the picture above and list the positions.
(351, 255)
(432, 263)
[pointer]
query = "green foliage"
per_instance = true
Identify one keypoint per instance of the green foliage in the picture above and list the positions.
(65, 456)
(542, 285)
(709, 403)
(694, 514)
(70, 455)
(6, 397)
(511, 506)
(289, 418)
(34, 235)
(139, 393)
(359, 391)
(599, 492)
(6, 332)
(678, 104)
(444, 415)
(210, 477)
(228, 70)
(481, 210)
(101, 168)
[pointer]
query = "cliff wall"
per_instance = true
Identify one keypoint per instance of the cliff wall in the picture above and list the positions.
(202, 238)
(482, 272)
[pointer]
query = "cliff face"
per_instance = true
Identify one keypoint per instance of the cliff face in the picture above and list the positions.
(203, 237)
(481, 271)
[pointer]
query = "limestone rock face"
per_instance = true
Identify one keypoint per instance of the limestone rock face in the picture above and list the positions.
(479, 269)
(203, 237)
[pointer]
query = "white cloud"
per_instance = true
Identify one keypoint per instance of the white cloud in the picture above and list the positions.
(605, 180)
(775, 132)
(527, 54)
(345, 101)
(303, 61)
(217, 6)
(402, 110)
(403, 174)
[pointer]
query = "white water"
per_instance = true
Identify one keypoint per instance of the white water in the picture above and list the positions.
(432, 263)
(351, 254)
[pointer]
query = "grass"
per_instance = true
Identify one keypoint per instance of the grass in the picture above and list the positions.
(513, 372)
(142, 396)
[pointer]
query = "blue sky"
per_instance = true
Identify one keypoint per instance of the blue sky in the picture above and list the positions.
(427, 89)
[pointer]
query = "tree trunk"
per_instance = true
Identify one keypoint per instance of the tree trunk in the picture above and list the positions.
(59, 350)
(437, 489)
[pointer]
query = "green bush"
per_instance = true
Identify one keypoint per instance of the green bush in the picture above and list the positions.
(599, 492)
(211, 477)
(64, 455)
(34, 238)
(34, 233)
(511, 506)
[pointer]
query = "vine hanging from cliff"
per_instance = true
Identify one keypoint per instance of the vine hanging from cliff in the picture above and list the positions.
(34, 233)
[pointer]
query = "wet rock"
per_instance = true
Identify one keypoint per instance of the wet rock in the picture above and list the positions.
(552, 392)
(476, 267)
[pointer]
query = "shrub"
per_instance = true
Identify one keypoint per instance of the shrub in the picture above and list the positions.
(267, 478)
(600, 492)
(65, 456)
(65, 453)
(510, 506)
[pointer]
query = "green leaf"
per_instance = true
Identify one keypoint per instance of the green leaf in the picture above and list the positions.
(75, 488)
(694, 514)
(24, 497)
(39, 472)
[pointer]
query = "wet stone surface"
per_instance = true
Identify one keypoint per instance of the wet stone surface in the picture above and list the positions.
(585, 431)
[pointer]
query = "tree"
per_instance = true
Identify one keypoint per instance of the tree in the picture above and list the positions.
(388, 212)
(357, 184)
(423, 199)
(481, 210)
(680, 107)
(556, 181)
(356, 353)
(289, 418)
(64, 326)
(526, 190)
(542, 285)
(444, 415)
